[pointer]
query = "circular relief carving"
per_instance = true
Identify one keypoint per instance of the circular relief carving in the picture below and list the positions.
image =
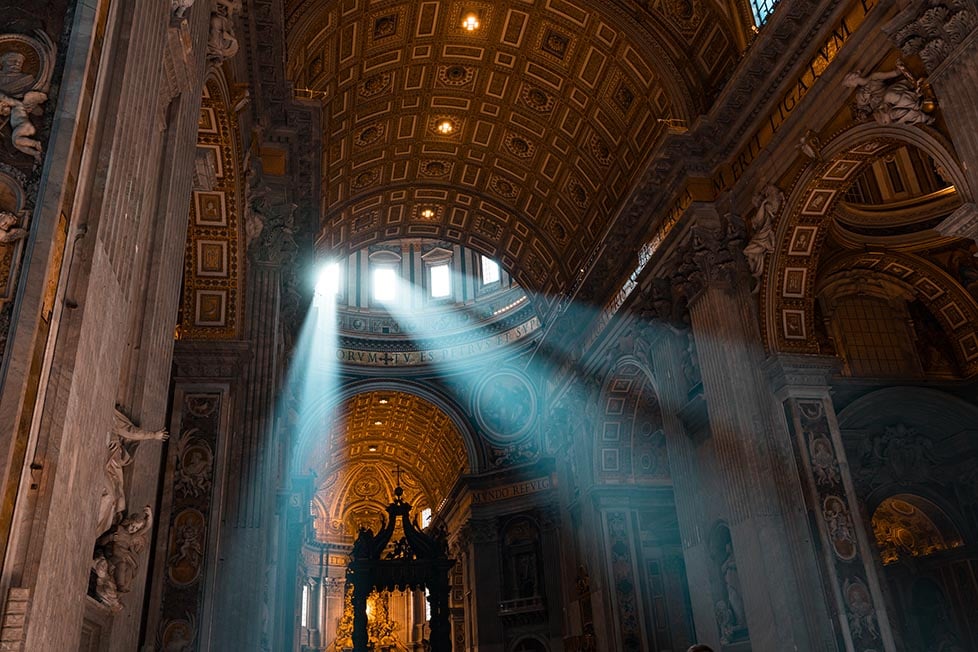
(366, 486)
(365, 179)
(519, 146)
(435, 168)
(537, 99)
(503, 187)
(187, 542)
(375, 84)
(370, 135)
(505, 406)
(456, 75)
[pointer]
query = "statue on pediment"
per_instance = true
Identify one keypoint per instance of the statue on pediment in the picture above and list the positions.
(891, 97)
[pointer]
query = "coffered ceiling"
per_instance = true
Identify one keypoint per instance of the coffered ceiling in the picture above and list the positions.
(383, 428)
(520, 138)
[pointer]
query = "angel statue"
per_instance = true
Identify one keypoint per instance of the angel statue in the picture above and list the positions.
(892, 97)
(17, 112)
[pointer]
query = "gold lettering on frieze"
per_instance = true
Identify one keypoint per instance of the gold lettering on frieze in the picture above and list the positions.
(429, 356)
(515, 490)
(728, 175)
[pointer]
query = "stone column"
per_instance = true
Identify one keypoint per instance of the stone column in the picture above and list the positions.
(944, 35)
(245, 583)
(683, 415)
(775, 560)
(847, 563)
(484, 582)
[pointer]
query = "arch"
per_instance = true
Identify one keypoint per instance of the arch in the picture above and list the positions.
(908, 525)
(316, 415)
(530, 643)
(211, 305)
(631, 445)
(943, 296)
(788, 287)
(922, 419)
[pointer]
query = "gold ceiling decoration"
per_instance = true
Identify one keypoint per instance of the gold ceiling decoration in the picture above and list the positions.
(528, 129)
(211, 307)
(374, 433)
(905, 530)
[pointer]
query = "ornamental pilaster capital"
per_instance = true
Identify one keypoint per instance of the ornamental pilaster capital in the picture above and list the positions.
(942, 33)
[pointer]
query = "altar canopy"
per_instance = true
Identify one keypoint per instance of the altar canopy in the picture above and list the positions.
(418, 560)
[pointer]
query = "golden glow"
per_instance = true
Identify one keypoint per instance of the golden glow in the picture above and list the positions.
(378, 423)
(471, 22)
(446, 127)
(372, 448)
(427, 213)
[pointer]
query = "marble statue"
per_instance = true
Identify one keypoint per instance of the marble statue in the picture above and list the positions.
(112, 502)
(17, 112)
(768, 204)
(9, 231)
(180, 7)
(731, 580)
(222, 44)
(117, 556)
(892, 97)
(810, 145)
(23, 92)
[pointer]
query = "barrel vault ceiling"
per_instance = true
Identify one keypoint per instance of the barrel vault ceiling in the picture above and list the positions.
(521, 138)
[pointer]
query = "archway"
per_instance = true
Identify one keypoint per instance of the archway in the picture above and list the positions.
(379, 441)
(788, 307)
(909, 452)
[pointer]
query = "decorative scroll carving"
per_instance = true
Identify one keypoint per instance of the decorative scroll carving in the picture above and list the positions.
(713, 256)
(933, 29)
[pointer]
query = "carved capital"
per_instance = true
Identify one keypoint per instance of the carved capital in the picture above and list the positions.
(937, 31)
(480, 530)
(713, 257)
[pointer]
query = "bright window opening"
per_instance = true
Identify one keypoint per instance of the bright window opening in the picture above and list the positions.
(490, 271)
(305, 605)
(762, 10)
(425, 517)
(328, 283)
(441, 281)
(384, 283)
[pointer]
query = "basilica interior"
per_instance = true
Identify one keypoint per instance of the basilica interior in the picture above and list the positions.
(489, 325)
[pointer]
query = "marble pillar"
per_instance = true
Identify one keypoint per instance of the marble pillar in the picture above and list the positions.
(246, 581)
(847, 562)
(484, 575)
(761, 493)
(683, 414)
